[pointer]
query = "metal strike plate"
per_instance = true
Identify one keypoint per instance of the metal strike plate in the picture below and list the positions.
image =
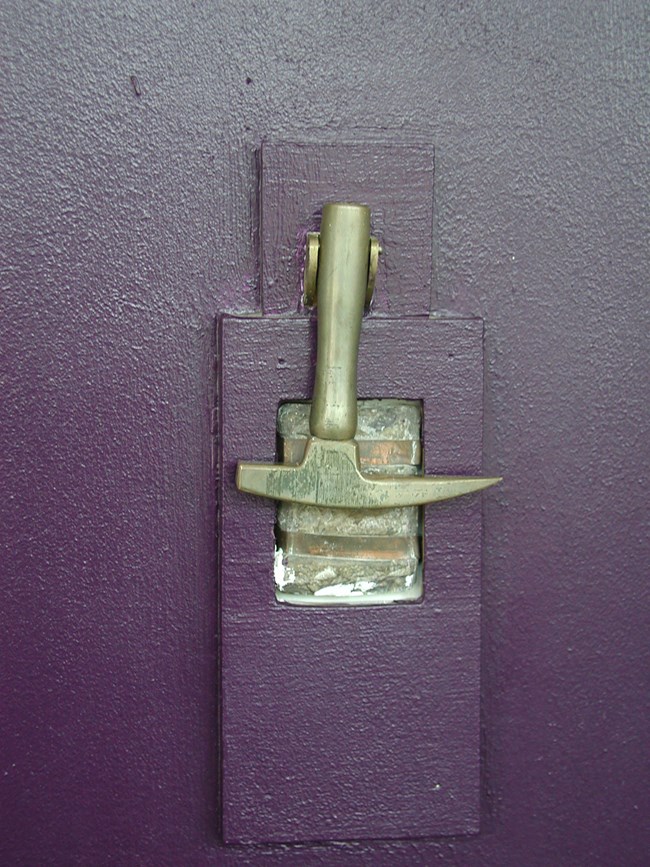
(334, 556)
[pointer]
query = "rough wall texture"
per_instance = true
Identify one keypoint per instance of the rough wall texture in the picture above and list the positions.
(127, 174)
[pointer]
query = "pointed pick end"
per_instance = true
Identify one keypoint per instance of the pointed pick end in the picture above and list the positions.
(486, 483)
(451, 486)
(419, 490)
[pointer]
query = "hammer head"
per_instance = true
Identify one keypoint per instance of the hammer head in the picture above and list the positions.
(330, 475)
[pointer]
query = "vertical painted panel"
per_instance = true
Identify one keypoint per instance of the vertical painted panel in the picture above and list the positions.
(350, 723)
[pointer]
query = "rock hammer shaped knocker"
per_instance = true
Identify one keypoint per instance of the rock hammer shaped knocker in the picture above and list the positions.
(340, 268)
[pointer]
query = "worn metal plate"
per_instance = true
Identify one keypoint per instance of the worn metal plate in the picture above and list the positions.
(347, 723)
(352, 556)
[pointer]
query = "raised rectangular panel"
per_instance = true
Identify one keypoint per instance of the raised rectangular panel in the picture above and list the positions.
(350, 722)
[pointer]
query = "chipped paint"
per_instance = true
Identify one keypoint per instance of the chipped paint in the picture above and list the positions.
(283, 574)
(354, 589)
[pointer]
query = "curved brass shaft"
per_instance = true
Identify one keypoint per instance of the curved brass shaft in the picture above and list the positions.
(342, 283)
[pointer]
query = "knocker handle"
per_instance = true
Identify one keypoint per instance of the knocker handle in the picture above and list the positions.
(339, 275)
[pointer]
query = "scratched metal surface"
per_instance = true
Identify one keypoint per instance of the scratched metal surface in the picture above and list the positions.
(128, 220)
(342, 555)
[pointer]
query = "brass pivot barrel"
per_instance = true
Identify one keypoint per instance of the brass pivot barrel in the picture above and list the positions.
(342, 283)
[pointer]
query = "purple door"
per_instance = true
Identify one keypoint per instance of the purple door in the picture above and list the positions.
(132, 217)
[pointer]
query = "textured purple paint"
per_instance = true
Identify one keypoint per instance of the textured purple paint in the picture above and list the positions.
(127, 222)
(395, 180)
(358, 723)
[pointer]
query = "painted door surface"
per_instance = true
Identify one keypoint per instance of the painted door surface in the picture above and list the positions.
(131, 216)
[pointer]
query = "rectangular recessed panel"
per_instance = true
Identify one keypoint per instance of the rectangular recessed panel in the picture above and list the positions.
(356, 722)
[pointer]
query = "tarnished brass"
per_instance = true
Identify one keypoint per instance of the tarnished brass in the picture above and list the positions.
(371, 453)
(342, 279)
(373, 264)
(329, 473)
(369, 547)
(311, 268)
(352, 556)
